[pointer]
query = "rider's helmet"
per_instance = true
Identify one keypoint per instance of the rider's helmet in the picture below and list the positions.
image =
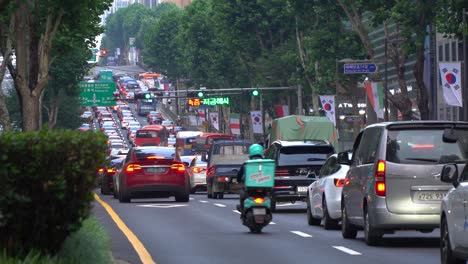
(256, 150)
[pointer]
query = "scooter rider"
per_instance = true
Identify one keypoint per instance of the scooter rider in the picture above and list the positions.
(255, 152)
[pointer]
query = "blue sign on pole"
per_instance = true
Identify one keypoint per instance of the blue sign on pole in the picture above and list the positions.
(355, 68)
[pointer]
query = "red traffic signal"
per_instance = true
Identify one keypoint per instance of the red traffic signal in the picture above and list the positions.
(103, 52)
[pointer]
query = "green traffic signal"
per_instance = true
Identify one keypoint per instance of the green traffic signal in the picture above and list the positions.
(200, 94)
(255, 93)
(148, 96)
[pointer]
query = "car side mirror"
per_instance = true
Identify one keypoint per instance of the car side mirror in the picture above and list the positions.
(449, 136)
(343, 158)
(449, 174)
(204, 157)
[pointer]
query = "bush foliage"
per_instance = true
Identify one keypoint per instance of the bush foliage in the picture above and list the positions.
(47, 178)
(90, 244)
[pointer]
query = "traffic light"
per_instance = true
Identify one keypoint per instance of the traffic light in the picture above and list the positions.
(255, 92)
(143, 96)
(200, 94)
(103, 52)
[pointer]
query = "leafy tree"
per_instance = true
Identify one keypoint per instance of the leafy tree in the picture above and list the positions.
(36, 25)
(66, 71)
(161, 49)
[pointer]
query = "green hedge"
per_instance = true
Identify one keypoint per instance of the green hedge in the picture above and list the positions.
(90, 244)
(46, 183)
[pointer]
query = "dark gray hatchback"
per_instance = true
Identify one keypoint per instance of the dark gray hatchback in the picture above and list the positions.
(394, 178)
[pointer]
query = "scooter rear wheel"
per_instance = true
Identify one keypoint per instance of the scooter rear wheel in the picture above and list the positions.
(256, 230)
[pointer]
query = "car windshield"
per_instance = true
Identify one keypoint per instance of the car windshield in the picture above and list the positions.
(425, 146)
(304, 155)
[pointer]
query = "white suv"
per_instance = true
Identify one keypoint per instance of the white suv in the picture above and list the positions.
(454, 216)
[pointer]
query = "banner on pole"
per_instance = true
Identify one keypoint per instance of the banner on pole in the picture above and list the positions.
(328, 105)
(235, 123)
(450, 75)
(257, 126)
(375, 94)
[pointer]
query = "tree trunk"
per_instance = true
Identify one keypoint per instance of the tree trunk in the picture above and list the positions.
(53, 111)
(422, 96)
(32, 106)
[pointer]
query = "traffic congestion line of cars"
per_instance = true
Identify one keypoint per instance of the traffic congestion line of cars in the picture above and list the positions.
(398, 176)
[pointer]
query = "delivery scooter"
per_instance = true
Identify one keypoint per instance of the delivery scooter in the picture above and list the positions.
(259, 181)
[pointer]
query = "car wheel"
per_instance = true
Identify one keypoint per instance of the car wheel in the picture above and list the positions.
(328, 222)
(347, 230)
(310, 219)
(123, 195)
(105, 188)
(446, 253)
(272, 205)
(372, 236)
(182, 197)
(209, 193)
(193, 190)
(220, 195)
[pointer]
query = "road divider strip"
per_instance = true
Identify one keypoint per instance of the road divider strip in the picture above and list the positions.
(302, 234)
(144, 255)
(347, 250)
(220, 205)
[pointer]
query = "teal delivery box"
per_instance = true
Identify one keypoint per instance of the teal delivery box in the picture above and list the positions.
(260, 173)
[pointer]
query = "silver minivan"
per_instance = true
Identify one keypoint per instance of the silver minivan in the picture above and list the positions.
(394, 178)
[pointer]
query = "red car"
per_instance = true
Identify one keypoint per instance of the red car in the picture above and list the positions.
(152, 172)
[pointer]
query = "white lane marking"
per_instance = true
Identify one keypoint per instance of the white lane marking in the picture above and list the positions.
(236, 211)
(220, 205)
(191, 198)
(302, 234)
(272, 223)
(163, 205)
(203, 201)
(347, 250)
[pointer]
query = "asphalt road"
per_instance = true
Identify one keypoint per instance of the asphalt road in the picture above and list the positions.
(209, 231)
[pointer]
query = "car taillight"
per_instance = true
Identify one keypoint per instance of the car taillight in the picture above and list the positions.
(132, 167)
(197, 169)
(222, 179)
(380, 178)
(259, 200)
(178, 167)
(100, 169)
(281, 172)
(339, 182)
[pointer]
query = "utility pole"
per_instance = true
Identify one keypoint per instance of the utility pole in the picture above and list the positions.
(299, 99)
(386, 82)
(464, 109)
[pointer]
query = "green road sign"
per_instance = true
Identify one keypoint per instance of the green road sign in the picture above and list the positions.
(97, 93)
(105, 76)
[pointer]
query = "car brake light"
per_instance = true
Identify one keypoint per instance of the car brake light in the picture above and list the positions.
(100, 169)
(197, 169)
(222, 179)
(132, 167)
(423, 146)
(259, 200)
(110, 170)
(339, 182)
(179, 167)
(281, 172)
(380, 178)
(154, 157)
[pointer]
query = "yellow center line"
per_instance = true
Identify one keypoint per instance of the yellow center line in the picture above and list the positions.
(144, 255)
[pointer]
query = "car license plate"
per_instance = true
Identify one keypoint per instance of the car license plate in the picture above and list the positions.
(155, 170)
(430, 196)
(234, 180)
(259, 211)
(302, 189)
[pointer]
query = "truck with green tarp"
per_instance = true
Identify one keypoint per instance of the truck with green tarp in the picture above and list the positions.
(300, 146)
(299, 127)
